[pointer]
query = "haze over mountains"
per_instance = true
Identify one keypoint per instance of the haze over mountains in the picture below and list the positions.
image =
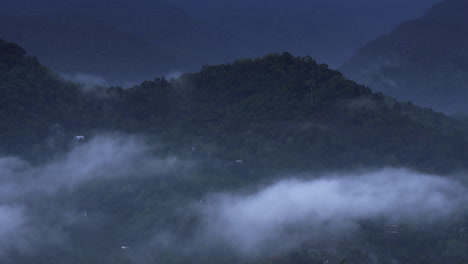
(264, 160)
(279, 103)
(115, 41)
(111, 41)
(327, 30)
(423, 60)
(176, 171)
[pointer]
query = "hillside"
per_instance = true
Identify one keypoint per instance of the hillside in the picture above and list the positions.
(276, 112)
(423, 60)
(146, 184)
(33, 99)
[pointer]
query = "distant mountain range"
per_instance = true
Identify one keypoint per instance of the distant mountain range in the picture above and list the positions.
(147, 174)
(327, 30)
(423, 60)
(126, 43)
(235, 126)
(115, 40)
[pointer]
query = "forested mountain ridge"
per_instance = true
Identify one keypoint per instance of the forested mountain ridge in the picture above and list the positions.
(231, 127)
(31, 95)
(303, 108)
(278, 112)
(422, 60)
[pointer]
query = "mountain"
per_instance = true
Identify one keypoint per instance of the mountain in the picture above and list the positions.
(422, 60)
(96, 51)
(302, 114)
(231, 127)
(280, 109)
(118, 42)
(329, 31)
(33, 100)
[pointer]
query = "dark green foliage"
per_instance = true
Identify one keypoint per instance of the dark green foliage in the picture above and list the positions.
(295, 113)
(31, 96)
(276, 113)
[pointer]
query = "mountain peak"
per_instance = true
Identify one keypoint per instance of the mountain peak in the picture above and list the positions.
(10, 52)
(452, 10)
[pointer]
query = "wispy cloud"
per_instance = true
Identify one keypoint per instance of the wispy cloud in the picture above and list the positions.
(30, 210)
(284, 215)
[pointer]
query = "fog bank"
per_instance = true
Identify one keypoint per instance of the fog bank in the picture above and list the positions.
(282, 216)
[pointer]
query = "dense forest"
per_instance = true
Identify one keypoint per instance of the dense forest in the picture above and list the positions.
(279, 110)
(161, 160)
(422, 60)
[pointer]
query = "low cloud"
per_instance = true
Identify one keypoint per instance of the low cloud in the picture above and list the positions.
(173, 75)
(89, 82)
(298, 210)
(31, 209)
(280, 217)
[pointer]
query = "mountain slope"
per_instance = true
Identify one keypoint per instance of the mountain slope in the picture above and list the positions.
(423, 60)
(302, 114)
(232, 127)
(277, 112)
(35, 104)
